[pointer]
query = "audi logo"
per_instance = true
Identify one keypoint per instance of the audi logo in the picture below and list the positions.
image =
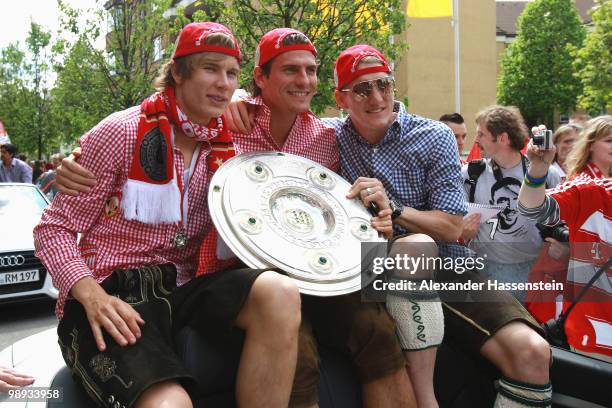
(12, 260)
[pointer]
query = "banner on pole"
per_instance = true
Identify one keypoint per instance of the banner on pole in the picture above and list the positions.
(430, 8)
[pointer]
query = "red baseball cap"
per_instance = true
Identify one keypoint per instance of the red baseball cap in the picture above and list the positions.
(346, 67)
(271, 45)
(191, 40)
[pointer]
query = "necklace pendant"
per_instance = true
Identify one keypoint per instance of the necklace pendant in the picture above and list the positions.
(180, 239)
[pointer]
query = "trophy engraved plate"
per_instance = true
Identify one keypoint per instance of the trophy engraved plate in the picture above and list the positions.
(284, 211)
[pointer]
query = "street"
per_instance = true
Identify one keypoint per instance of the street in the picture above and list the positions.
(21, 320)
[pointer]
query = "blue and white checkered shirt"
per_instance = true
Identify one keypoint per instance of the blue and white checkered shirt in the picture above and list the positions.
(416, 161)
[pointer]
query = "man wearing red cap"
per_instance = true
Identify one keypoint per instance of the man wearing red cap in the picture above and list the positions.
(410, 165)
(141, 224)
(284, 82)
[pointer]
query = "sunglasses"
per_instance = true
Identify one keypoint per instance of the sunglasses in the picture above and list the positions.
(364, 89)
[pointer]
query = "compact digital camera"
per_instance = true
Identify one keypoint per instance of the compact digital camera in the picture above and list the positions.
(543, 139)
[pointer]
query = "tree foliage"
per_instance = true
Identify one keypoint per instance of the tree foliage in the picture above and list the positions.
(94, 82)
(25, 102)
(594, 62)
(537, 69)
(80, 95)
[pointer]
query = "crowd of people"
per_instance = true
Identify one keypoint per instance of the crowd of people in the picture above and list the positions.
(143, 173)
(15, 168)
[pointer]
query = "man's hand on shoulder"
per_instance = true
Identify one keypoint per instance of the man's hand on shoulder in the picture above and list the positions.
(72, 178)
(240, 116)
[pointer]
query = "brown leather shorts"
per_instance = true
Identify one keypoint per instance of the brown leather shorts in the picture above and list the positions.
(362, 330)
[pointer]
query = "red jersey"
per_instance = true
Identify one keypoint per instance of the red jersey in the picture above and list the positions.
(585, 204)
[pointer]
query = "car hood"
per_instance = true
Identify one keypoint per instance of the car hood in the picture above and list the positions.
(20, 237)
(37, 355)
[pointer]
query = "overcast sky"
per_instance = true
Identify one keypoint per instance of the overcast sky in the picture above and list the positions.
(15, 17)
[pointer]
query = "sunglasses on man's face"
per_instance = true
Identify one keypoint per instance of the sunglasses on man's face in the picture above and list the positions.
(364, 89)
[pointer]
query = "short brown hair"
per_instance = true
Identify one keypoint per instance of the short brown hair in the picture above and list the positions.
(184, 66)
(499, 119)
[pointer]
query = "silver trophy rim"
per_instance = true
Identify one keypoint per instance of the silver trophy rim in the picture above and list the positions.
(249, 255)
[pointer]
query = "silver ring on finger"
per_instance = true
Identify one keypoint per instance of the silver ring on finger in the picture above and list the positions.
(369, 191)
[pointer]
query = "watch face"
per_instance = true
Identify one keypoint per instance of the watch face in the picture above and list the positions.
(396, 210)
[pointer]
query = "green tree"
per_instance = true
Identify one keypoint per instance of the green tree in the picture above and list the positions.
(25, 102)
(333, 25)
(80, 97)
(537, 70)
(594, 62)
(95, 81)
(38, 42)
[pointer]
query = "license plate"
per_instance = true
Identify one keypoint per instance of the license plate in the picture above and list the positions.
(11, 278)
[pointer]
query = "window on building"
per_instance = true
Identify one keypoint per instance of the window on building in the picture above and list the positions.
(115, 18)
(157, 49)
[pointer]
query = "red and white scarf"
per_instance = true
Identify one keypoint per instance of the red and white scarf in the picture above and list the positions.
(592, 170)
(151, 194)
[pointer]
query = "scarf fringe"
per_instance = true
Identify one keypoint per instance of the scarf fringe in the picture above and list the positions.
(152, 203)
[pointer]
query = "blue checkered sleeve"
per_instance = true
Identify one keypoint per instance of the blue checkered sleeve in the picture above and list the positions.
(444, 181)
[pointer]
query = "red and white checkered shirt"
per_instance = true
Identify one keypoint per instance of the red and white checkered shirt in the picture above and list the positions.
(108, 240)
(309, 138)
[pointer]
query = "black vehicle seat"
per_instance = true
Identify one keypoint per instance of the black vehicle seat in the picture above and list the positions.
(459, 381)
(215, 368)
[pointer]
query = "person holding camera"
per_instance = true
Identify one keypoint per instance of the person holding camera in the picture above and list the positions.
(584, 202)
(510, 241)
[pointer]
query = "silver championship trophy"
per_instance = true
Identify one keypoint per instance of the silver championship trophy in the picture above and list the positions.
(280, 210)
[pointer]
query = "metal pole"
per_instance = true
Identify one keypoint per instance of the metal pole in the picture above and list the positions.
(455, 24)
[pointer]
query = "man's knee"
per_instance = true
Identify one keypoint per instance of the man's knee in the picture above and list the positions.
(535, 352)
(418, 246)
(275, 299)
(519, 352)
(167, 394)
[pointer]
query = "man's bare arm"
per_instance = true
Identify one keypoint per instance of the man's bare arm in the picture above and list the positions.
(437, 224)
(540, 160)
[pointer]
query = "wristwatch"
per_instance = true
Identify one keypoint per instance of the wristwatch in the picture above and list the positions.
(396, 209)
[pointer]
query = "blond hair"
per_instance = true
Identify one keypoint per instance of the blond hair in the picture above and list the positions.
(184, 66)
(595, 130)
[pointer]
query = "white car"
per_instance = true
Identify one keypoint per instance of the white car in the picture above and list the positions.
(38, 355)
(22, 275)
